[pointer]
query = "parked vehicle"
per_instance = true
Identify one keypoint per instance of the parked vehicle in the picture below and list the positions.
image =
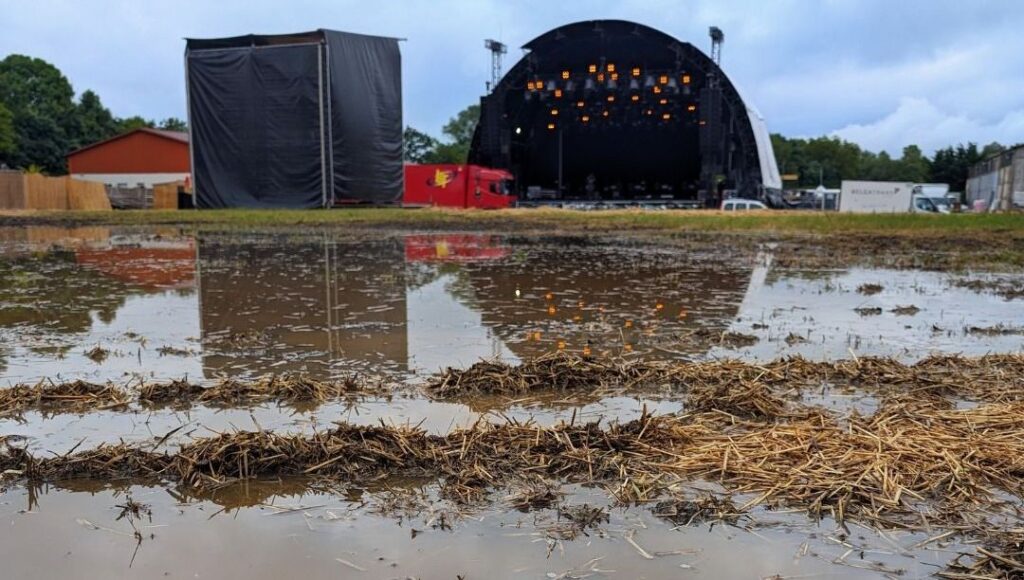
(465, 186)
(739, 204)
(893, 197)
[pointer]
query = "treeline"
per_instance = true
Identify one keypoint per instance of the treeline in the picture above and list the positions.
(832, 160)
(41, 121)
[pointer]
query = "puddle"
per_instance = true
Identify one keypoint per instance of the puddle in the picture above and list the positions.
(283, 530)
(168, 305)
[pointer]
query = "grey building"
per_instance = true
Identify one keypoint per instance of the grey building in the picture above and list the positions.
(998, 181)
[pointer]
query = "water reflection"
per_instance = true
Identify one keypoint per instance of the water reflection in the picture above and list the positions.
(168, 304)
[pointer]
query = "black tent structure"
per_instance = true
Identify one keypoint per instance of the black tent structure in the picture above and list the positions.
(301, 120)
(609, 109)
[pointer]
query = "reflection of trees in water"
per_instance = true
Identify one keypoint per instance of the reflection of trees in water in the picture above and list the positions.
(50, 293)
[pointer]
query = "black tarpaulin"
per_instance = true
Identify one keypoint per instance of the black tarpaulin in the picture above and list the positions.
(299, 120)
(366, 113)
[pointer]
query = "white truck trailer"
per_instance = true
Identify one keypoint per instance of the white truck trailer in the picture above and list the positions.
(887, 197)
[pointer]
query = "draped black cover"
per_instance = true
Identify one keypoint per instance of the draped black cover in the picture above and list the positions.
(299, 120)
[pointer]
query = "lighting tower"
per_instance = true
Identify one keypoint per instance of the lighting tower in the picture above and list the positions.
(498, 50)
(717, 38)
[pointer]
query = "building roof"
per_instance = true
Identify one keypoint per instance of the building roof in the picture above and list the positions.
(179, 136)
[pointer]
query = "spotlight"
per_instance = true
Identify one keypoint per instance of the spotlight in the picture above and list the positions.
(636, 71)
(592, 68)
(531, 86)
(579, 104)
(558, 93)
(610, 67)
(663, 80)
(663, 102)
(611, 98)
(686, 79)
(657, 90)
(551, 126)
(635, 98)
(604, 113)
(554, 112)
(565, 75)
(691, 108)
(519, 130)
(585, 118)
(666, 116)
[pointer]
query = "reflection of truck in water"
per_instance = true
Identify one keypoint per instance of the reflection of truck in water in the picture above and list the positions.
(465, 186)
(894, 197)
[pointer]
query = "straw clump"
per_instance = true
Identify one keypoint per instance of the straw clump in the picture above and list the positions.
(909, 462)
(75, 396)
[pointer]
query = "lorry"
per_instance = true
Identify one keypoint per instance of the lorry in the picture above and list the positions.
(452, 185)
(892, 197)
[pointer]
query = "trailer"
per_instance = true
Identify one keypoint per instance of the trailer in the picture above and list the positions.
(450, 185)
(892, 197)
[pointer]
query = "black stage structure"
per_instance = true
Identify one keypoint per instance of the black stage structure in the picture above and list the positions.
(614, 110)
(295, 120)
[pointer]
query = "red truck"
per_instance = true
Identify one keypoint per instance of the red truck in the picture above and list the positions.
(465, 186)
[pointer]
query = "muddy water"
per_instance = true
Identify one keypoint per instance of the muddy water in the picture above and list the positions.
(253, 532)
(164, 304)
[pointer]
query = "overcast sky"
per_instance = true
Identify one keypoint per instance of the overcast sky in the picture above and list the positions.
(882, 73)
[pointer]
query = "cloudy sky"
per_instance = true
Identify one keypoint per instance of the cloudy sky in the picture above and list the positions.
(882, 73)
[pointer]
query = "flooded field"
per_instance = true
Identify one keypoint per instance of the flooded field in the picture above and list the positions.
(382, 315)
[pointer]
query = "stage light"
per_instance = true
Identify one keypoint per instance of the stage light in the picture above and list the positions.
(691, 108)
(579, 104)
(586, 118)
(604, 114)
(657, 90)
(554, 112)
(636, 71)
(666, 116)
(558, 93)
(686, 79)
(635, 98)
(663, 79)
(592, 69)
(600, 77)
(610, 67)
(615, 76)
(565, 75)
(649, 112)
(663, 101)
(530, 86)
(519, 131)
(551, 126)
(611, 98)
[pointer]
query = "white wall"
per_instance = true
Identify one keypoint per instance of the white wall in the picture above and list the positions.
(131, 179)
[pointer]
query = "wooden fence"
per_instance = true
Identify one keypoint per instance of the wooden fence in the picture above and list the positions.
(33, 191)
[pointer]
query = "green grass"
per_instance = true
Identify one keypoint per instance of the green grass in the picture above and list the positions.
(547, 219)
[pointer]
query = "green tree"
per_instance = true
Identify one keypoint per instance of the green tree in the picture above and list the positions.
(94, 122)
(174, 124)
(913, 166)
(7, 135)
(991, 149)
(132, 123)
(459, 133)
(41, 101)
(417, 145)
(951, 165)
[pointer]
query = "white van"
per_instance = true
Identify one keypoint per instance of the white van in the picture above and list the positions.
(737, 204)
